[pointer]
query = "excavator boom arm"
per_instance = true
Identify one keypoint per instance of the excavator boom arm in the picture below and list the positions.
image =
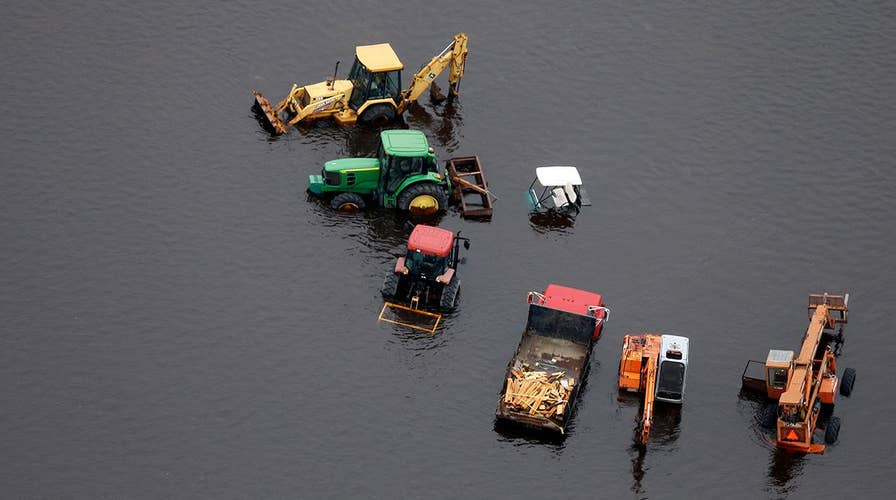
(454, 55)
(649, 394)
(637, 372)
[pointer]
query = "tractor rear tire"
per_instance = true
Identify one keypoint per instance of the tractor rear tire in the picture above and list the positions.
(832, 432)
(423, 198)
(769, 416)
(448, 300)
(847, 381)
(348, 202)
(378, 115)
(390, 285)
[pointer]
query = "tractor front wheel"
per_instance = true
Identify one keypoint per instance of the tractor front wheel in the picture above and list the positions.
(347, 202)
(390, 285)
(832, 432)
(424, 198)
(847, 381)
(449, 294)
(378, 115)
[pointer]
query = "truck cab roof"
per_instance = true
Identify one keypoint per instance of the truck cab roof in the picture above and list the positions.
(410, 143)
(571, 299)
(379, 57)
(431, 240)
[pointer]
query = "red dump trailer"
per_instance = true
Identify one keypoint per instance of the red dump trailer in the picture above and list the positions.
(545, 374)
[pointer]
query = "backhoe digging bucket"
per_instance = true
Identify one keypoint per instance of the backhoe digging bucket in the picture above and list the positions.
(412, 318)
(269, 114)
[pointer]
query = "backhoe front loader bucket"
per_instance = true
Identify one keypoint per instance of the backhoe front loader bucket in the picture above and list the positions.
(417, 319)
(268, 112)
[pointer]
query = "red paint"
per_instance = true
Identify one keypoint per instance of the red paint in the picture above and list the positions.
(431, 240)
(575, 301)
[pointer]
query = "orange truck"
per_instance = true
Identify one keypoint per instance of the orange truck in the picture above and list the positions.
(804, 383)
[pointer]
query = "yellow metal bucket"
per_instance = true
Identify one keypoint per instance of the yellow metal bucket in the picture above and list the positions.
(412, 318)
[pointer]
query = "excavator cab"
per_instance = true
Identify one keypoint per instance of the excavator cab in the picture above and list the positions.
(375, 76)
(673, 369)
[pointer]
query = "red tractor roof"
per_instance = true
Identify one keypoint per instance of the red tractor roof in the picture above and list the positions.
(431, 240)
(571, 299)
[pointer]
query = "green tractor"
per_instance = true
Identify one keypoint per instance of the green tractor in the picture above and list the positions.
(404, 175)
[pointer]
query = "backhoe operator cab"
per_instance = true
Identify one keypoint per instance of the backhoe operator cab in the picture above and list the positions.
(404, 175)
(376, 74)
(673, 368)
(556, 189)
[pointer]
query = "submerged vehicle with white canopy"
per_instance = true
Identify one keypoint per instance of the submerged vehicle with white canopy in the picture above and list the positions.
(556, 189)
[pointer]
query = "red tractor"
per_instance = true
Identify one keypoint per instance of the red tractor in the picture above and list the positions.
(426, 277)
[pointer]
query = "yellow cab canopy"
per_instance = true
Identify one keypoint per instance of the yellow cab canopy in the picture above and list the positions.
(379, 57)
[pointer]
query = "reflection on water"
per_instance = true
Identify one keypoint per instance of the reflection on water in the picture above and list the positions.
(519, 435)
(416, 340)
(666, 424)
(783, 467)
(551, 222)
(441, 128)
(638, 453)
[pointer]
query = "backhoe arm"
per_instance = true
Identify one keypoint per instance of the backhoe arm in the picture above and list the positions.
(454, 55)
(649, 392)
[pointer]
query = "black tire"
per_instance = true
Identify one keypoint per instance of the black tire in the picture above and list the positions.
(390, 286)
(832, 432)
(348, 202)
(414, 191)
(448, 300)
(847, 381)
(769, 416)
(378, 115)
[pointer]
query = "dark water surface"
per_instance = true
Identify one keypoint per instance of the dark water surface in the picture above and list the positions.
(178, 320)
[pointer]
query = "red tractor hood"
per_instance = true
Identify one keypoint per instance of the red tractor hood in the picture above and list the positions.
(431, 240)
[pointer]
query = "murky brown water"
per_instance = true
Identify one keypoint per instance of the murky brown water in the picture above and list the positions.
(179, 320)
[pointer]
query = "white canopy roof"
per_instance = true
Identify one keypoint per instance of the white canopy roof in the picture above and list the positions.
(558, 176)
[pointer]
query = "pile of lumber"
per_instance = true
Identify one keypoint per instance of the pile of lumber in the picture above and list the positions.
(538, 393)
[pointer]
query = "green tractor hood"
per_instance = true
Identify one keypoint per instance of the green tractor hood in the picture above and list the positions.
(356, 175)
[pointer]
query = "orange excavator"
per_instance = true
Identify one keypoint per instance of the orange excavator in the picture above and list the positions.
(655, 365)
(803, 384)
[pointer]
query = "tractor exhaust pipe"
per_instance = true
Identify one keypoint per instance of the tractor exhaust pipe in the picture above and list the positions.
(331, 81)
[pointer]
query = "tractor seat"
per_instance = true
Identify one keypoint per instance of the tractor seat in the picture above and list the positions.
(570, 193)
(559, 197)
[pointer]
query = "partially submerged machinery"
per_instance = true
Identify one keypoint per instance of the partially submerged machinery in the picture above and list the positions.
(556, 190)
(404, 174)
(545, 374)
(372, 93)
(804, 383)
(424, 282)
(655, 365)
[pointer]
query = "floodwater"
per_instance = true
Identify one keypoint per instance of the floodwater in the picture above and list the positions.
(179, 320)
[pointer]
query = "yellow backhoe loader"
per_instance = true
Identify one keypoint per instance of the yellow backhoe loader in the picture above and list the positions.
(371, 94)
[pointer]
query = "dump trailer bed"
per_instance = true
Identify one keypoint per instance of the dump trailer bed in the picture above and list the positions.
(470, 189)
(545, 374)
